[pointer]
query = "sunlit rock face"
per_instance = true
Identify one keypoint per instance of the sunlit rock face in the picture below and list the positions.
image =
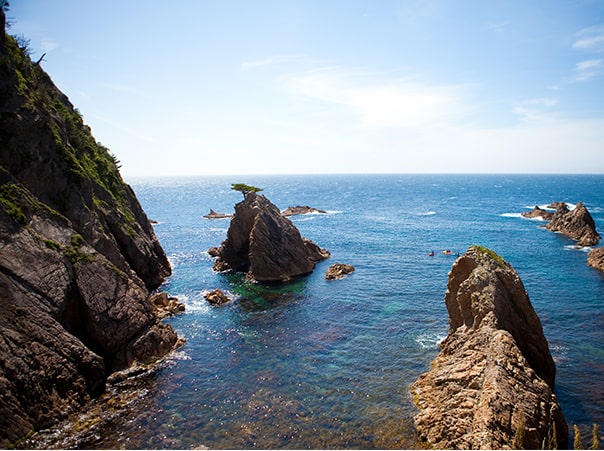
(491, 386)
(576, 224)
(265, 244)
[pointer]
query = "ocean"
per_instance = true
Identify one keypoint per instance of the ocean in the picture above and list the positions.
(329, 364)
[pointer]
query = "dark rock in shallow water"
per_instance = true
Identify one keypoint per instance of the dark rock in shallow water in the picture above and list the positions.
(217, 297)
(265, 244)
(78, 257)
(576, 224)
(494, 374)
(338, 271)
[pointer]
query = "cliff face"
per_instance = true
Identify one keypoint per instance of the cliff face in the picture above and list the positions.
(265, 244)
(78, 257)
(491, 386)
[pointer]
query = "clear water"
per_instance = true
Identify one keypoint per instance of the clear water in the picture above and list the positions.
(320, 364)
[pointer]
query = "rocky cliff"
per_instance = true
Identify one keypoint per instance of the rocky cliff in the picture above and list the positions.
(595, 258)
(576, 224)
(491, 385)
(265, 244)
(78, 257)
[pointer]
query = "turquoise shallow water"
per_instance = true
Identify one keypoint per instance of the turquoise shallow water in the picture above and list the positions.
(319, 364)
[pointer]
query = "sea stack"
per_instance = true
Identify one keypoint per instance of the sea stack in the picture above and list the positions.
(265, 244)
(491, 385)
(78, 257)
(576, 224)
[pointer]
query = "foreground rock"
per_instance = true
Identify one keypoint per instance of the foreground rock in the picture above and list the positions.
(78, 257)
(266, 245)
(494, 375)
(338, 271)
(217, 297)
(301, 210)
(576, 224)
(538, 212)
(595, 258)
(166, 305)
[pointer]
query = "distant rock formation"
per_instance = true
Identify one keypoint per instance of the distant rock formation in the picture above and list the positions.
(491, 385)
(595, 258)
(266, 245)
(338, 271)
(78, 257)
(300, 210)
(538, 212)
(576, 224)
(213, 215)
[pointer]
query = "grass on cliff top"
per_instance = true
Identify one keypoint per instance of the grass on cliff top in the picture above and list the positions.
(492, 254)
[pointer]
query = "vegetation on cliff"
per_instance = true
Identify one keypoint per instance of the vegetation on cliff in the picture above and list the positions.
(78, 256)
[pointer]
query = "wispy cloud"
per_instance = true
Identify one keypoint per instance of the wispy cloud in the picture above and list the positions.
(535, 109)
(588, 69)
(269, 61)
(49, 44)
(382, 103)
(591, 39)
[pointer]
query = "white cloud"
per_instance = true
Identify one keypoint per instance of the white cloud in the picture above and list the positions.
(394, 103)
(588, 69)
(535, 109)
(591, 39)
(269, 61)
(48, 45)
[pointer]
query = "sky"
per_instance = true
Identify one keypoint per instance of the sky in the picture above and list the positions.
(204, 87)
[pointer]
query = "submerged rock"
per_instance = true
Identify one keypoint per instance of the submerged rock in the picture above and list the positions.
(576, 224)
(338, 271)
(491, 385)
(266, 245)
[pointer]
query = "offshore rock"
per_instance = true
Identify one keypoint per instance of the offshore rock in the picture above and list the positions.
(166, 305)
(78, 257)
(595, 258)
(576, 224)
(491, 385)
(217, 297)
(538, 212)
(266, 245)
(338, 271)
(213, 215)
(301, 210)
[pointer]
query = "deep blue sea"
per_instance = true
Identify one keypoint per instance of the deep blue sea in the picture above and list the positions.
(329, 364)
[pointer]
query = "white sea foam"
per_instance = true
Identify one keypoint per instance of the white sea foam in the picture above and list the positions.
(574, 247)
(428, 213)
(511, 215)
(429, 341)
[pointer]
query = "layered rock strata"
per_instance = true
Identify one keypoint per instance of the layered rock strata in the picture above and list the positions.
(265, 244)
(78, 257)
(491, 385)
(576, 224)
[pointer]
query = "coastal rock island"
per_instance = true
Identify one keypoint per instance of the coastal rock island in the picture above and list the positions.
(78, 257)
(491, 385)
(576, 224)
(265, 244)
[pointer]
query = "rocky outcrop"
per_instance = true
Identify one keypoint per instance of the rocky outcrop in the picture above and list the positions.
(213, 215)
(338, 271)
(266, 245)
(78, 257)
(301, 210)
(166, 305)
(595, 258)
(538, 212)
(576, 224)
(491, 385)
(217, 297)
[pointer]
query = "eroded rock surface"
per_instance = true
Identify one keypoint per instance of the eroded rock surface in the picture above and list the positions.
(494, 374)
(338, 271)
(78, 257)
(576, 224)
(595, 258)
(266, 245)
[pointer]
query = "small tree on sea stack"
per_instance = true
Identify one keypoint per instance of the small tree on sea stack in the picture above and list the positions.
(245, 189)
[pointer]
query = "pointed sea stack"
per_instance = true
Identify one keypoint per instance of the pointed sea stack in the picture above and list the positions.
(491, 385)
(265, 244)
(576, 224)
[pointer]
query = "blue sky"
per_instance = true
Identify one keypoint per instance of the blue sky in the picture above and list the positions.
(259, 87)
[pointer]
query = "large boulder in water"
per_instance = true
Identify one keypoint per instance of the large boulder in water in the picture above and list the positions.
(576, 224)
(491, 386)
(265, 244)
